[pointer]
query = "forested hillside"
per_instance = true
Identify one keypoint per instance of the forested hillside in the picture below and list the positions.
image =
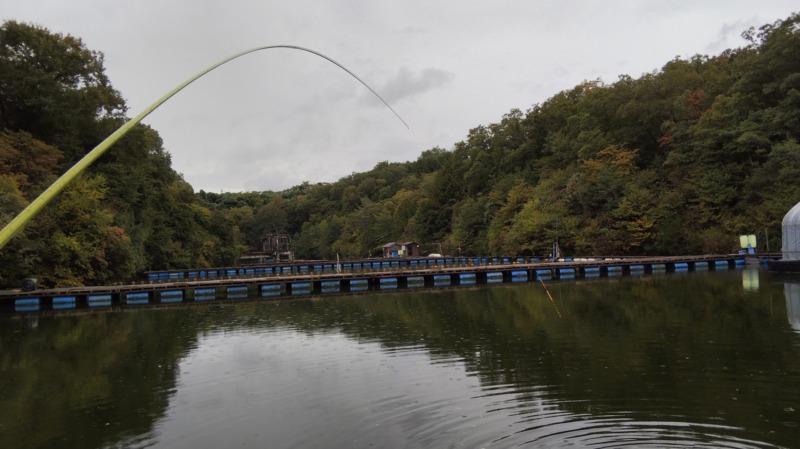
(678, 161)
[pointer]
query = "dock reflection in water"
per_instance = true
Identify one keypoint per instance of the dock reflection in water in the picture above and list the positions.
(792, 291)
(674, 360)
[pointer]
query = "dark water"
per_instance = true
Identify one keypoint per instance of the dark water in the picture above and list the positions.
(674, 360)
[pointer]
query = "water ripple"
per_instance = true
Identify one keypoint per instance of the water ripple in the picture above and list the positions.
(615, 432)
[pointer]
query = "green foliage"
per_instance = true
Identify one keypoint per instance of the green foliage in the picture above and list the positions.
(81, 241)
(53, 87)
(29, 161)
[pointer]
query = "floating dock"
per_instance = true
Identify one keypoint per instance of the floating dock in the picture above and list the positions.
(329, 278)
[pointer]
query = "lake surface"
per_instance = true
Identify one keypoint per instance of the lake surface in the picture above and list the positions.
(706, 359)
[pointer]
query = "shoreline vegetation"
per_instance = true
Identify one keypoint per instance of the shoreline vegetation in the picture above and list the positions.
(678, 161)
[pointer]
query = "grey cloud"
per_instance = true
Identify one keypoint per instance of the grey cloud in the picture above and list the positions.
(406, 84)
(729, 35)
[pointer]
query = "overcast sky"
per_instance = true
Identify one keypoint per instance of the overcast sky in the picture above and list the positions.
(276, 118)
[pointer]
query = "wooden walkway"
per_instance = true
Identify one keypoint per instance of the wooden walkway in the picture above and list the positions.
(324, 278)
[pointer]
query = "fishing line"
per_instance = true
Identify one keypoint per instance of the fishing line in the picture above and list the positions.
(551, 298)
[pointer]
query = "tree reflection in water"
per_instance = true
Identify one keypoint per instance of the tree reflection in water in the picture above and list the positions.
(685, 358)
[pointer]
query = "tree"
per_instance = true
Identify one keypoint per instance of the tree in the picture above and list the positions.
(31, 162)
(80, 238)
(53, 87)
(470, 226)
(17, 258)
(500, 227)
(269, 218)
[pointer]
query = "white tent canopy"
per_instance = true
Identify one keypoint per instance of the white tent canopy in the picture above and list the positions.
(791, 234)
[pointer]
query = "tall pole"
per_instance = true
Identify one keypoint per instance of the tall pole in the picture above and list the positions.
(22, 219)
